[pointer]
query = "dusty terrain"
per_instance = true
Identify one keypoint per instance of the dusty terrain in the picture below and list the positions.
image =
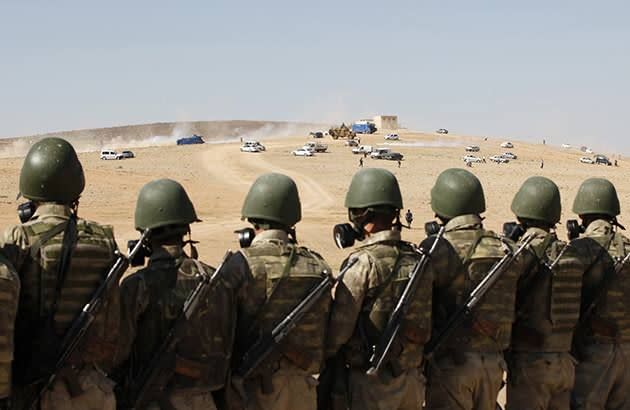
(218, 176)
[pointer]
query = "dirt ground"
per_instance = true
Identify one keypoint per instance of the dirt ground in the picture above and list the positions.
(217, 177)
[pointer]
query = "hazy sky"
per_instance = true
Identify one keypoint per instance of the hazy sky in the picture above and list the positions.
(555, 69)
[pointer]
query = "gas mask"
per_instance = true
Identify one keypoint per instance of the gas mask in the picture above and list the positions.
(26, 211)
(345, 235)
(245, 237)
(431, 228)
(574, 229)
(513, 231)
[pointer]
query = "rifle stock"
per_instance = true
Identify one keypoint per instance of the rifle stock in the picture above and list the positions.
(475, 297)
(382, 350)
(76, 334)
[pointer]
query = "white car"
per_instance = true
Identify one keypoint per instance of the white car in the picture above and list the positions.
(256, 144)
(362, 149)
(471, 158)
(566, 145)
(378, 152)
(473, 148)
(499, 159)
(393, 137)
(442, 131)
(110, 154)
(587, 160)
(509, 155)
(589, 151)
(303, 152)
(250, 148)
(507, 144)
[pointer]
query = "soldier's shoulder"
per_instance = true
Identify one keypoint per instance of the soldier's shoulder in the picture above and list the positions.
(312, 253)
(134, 280)
(96, 228)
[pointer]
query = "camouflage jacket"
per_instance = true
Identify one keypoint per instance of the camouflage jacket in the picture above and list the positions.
(9, 293)
(600, 247)
(153, 297)
(465, 255)
(368, 293)
(275, 275)
(34, 248)
(548, 297)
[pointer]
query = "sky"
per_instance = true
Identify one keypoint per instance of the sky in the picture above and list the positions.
(558, 70)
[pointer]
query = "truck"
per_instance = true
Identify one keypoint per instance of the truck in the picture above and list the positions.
(363, 127)
(362, 149)
(194, 139)
(316, 146)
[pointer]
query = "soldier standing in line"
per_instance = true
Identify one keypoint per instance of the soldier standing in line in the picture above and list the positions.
(9, 294)
(279, 274)
(602, 339)
(153, 297)
(61, 259)
(366, 296)
(541, 369)
(468, 372)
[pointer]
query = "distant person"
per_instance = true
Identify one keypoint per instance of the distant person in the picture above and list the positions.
(365, 154)
(360, 162)
(483, 159)
(469, 164)
(542, 163)
(409, 218)
(544, 142)
(616, 164)
(399, 163)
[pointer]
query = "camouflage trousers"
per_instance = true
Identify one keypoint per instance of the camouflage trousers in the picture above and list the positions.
(602, 378)
(188, 399)
(470, 382)
(293, 389)
(405, 392)
(98, 393)
(540, 381)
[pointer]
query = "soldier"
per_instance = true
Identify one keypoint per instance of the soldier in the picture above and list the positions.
(61, 259)
(279, 275)
(9, 293)
(153, 297)
(468, 371)
(367, 294)
(602, 339)
(541, 369)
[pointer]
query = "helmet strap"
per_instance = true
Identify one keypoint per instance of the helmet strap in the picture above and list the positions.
(194, 253)
(292, 234)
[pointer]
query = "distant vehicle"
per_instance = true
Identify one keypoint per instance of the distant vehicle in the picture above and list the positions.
(254, 143)
(589, 151)
(442, 131)
(566, 145)
(587, 160)
(507, 144)
(472, 148)
(602, 159)
(316, 146)
(303, 152)
(392, 156)
(250, 148)
(361, 149)
(351, 143)
(317, 134)
(194, 139)
(363, 127)
(378, 152)
(509, 155)
(110, 154)
(393, 137)
(471, 158)
(499, 159)
(127, 154)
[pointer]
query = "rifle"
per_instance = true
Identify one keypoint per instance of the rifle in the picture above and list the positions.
(156, 375)
(382, 350)
(267, 344)
(76, 334)
(475, 297)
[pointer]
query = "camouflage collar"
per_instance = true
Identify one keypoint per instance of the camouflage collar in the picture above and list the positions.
(52, 209)
(541, 233)
(382, 236)
(271, 234)
(167, 252)
(470, 221)
(599, 227)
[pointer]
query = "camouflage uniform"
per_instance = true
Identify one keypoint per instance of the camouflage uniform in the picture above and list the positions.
(602, 379)
(541, 370)
(152, 298)
(34, 249)
(364, 300)
(9, 293)
(278, 275)
(467, 373)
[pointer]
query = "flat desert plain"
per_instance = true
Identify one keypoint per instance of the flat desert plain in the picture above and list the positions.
(217, 177)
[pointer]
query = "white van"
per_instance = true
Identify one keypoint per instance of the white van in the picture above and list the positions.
(110, 154)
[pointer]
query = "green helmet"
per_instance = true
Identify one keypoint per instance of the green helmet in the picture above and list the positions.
(273, 197)
(538, 199)
(373, 187)
(52, 172)
(596, 196)
(457, 192)
(161, 203)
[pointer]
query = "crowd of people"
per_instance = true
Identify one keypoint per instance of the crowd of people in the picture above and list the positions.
(273, 328)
